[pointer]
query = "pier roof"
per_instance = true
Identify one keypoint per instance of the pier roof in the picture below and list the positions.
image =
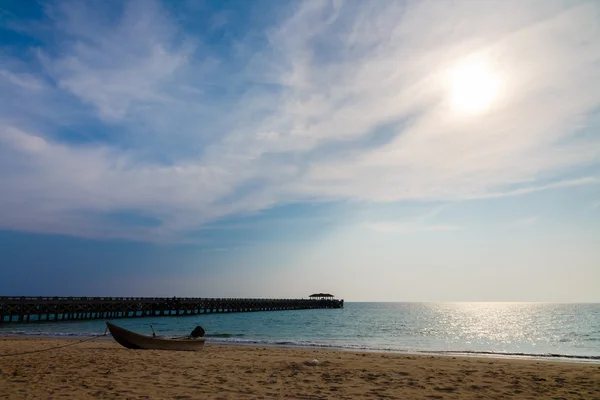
(321, 295)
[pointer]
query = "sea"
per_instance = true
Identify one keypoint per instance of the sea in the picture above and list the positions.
(538, 330)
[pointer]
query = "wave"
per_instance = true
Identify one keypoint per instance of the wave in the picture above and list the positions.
(224, 335)
(510, 354)
(406, 351)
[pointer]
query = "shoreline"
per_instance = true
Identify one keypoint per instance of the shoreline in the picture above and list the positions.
(326, 347)
(212, 344)
(100, 369)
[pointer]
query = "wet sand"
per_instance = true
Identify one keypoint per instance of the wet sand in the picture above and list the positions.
(101, 369)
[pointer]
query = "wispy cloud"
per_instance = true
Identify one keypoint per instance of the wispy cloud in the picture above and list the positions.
(391, 227)
(25, 81)
(423, 222)
(119, 66)
(525, 222)
(196, 133)
(588, 180)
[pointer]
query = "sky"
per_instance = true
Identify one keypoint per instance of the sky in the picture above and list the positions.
(379, 151)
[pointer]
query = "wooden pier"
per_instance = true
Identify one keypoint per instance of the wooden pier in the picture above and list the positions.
(37, 309)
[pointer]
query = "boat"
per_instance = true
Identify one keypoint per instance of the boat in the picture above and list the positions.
(132, 340)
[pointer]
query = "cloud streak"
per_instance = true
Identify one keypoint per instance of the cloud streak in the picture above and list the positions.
(525, 222)
(390, 227)
(194, 134)
(128, 66)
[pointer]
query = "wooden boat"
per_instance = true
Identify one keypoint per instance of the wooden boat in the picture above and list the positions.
(133, 340)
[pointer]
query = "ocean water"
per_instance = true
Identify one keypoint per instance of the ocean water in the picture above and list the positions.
(505, 329)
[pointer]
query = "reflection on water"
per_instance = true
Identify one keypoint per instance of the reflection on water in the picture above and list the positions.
(518, 326)
(531, 328)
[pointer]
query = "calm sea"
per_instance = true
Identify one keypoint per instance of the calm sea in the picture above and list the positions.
(527, 329)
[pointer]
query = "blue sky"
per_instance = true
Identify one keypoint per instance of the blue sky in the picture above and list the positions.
(385, 151)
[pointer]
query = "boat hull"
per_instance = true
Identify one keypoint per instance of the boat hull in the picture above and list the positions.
(132, 340)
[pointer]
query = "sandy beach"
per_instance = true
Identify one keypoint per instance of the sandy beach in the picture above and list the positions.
(101, 369)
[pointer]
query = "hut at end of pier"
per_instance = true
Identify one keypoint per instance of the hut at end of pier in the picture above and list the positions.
(321, 296)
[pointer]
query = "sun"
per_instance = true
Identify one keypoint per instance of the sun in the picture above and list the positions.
(473, 87)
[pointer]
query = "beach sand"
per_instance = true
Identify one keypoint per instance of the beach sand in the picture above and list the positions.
(101, 369)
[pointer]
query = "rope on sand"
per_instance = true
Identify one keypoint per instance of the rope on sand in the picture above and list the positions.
(53, 348)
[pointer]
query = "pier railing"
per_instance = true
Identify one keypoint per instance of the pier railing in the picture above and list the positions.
(30, 309)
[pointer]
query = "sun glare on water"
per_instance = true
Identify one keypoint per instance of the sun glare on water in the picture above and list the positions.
(473, 87)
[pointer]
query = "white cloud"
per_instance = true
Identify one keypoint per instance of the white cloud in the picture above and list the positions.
(441, 155)
(297, 120)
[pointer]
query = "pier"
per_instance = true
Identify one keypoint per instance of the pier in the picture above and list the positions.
(38, 309)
